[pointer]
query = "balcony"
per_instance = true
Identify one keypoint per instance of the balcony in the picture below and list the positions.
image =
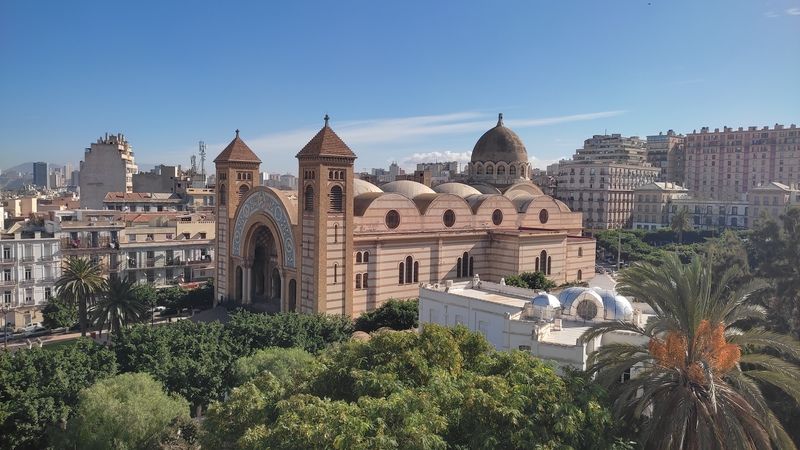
(46, 258)
(27, 259)
(75, 246)
(27, 282)
(8, 282)
(7, 261)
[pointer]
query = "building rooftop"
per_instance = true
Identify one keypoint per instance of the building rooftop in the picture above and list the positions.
(237, 151)
(326, 143)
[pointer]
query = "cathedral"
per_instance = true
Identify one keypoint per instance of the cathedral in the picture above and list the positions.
(342, 245)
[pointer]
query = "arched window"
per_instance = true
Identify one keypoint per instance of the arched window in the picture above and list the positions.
(358, 281)
(489, 170)
(366, 257)
(243, 190)
(458, 268)
(336, 232)
(501, 170)
(549, 264)
(471, 268)
(336, 199)
(416, 271)
(364, 281)
(223, 195)
(580, 251)
(358, 257)
(479, 169)
(309, 198)
(409, 269)
(580, 275)
(402, 274)
(335, 273)
(542, 262)
(512, 171)
(465, 264)
(536, 269)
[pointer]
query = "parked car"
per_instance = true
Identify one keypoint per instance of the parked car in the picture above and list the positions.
(33, 327)
(159, 309)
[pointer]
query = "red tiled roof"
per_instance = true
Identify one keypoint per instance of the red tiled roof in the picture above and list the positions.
(237, 150)
(326, 143)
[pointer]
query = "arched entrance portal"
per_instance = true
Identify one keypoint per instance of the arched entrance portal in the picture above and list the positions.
(265, 289)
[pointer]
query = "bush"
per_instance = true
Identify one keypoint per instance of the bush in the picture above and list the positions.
(311, 332)
(530, 280)
(395, 314)
(128, 411)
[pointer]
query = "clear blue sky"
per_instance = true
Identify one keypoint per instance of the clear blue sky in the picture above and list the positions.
(398, 78)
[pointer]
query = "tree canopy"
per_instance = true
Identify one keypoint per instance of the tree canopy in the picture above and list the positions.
(394, 314)
(530, 280)
(39, 388)
(128, 411)
(59, 313)
(441, 388)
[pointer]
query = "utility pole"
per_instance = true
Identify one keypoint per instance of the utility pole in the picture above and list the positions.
(619, 247)
(5, 309)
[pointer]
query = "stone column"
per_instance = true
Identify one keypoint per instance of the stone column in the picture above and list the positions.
(247, 282)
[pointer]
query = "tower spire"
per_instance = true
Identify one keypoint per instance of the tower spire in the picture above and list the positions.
(237, 132)
(500, 120)
(326, 118)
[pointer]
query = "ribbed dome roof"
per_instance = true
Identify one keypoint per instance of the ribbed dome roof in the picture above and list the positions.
(544, 299)
(500, 144)
(407, 188)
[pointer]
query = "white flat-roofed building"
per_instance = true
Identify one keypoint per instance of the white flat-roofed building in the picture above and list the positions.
(548, 326)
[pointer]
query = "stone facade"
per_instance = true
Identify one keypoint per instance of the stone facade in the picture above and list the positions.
(667, 152)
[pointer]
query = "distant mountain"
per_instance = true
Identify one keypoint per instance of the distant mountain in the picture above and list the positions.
(27, 168)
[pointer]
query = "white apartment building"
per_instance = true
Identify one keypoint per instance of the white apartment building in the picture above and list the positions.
(30, 264)
(546, 325)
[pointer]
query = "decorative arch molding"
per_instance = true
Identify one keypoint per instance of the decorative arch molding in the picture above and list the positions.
(262, 202)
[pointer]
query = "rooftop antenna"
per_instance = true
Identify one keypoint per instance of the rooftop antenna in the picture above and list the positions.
(193, 159)
(202, 158)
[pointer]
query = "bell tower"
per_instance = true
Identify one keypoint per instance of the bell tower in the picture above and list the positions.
(326, 224)
(237, 169)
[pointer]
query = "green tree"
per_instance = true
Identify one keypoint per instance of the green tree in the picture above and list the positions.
(531, 280)
(128, 411)
(394, 314)
(285, 364)
(80, 281)
(191, 359)
(439, 388)
(680, 223)
(118, 307)
(699, 374)
(59, 313)
(312, 332)
(39, 389)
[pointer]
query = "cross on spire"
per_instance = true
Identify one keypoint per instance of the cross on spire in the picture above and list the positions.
(237, 132)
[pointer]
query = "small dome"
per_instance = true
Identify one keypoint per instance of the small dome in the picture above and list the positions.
(543, 299)
(523, 188)
(460, 189)
(407, 188)
(500, 144)
(485, 188)
(616, 306)
(361, 187)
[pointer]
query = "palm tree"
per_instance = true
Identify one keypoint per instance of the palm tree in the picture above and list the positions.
(81, 279)
(680, 223)
(696, 381)
(119, 306)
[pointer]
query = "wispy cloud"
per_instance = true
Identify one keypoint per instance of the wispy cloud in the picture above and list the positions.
(771, 14)
(793, 11)
(403, 134)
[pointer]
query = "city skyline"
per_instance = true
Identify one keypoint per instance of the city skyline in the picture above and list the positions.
(399, 81)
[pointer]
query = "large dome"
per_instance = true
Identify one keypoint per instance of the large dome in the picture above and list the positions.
(500, 144)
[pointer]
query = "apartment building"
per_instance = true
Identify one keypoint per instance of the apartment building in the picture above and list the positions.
(108, 166)
(667, 152)
(771, 200)
(724, 164)
(144, 201)
(657, 203)
(600, 179)
(29, 267)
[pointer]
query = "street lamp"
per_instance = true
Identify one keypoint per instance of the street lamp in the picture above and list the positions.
(4, 309)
